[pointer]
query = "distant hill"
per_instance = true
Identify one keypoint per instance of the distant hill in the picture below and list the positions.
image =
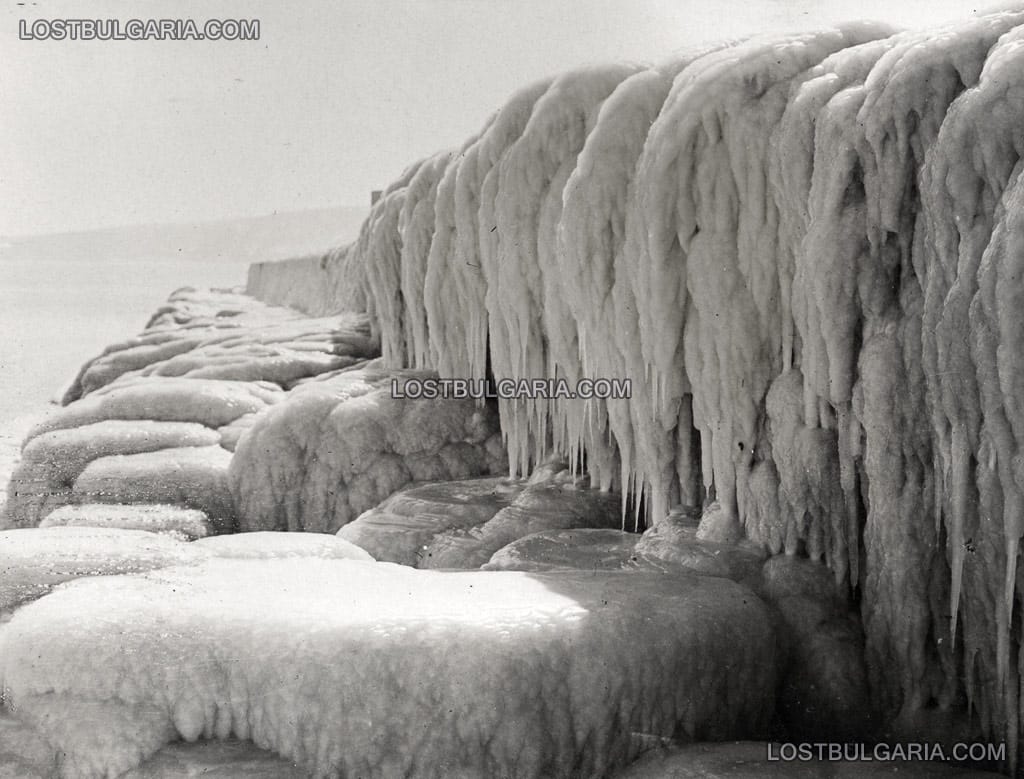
(255, 239)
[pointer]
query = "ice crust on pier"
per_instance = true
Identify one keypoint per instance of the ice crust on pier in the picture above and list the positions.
(156, 418)
(180, 523)
(34, 560)
(486, 673)
(804, 252)
(337, 447)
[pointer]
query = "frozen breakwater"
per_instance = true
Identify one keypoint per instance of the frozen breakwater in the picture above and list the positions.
(805, 251)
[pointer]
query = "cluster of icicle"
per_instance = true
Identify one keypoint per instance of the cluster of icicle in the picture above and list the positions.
(807, 253)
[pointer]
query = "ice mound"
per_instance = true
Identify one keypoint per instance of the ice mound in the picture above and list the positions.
(195, 477)
(267, 545)
(676, 541)
(50, 462)
(553, 504)
(378, 670)
(24, 754)
(224, 335)
(461, 524)
(337, 447)
(749, 760)
(671, 545)
(550, 550)
(400, 528)
(33, 560)
(232, 432)
(824, 694)
(208, 402)
(174, 521)
(282, 354)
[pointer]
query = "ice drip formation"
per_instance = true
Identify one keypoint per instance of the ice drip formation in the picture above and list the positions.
(807, 254)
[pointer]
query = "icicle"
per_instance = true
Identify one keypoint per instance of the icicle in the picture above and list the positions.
(808, 250)
(958, 491)
(847, 480)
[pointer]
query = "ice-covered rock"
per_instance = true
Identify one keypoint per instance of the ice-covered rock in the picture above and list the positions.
(232, 432)
(585, 549)
(52, 461)
(552, 504)
(402, 526)
(180, 523)
(194, 477)
(378, 670)
(337, 447)
(270, 545)
(677, 542)
(24, 753)
(461, 524)
(824, 693)
(34, 560)
(224, 335)
(208, 402)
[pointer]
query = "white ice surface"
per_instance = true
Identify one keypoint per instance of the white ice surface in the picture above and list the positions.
(337, 447)
(378, 670)
(180, 523)
(269, 545)
(33, 560)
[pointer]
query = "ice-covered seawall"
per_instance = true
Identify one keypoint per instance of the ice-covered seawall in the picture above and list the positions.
(806, 253)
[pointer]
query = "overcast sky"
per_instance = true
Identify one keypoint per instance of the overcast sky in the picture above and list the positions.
(333, 100)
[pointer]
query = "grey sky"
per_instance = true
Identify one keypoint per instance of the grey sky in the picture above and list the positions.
(333, 101)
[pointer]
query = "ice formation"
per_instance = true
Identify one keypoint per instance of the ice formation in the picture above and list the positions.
(33, 560)
(195, 477)
(377, 670)
(51, 462)
(550, 505)
(227, 759)
(400, 528)
(337, 447)
(587, 549)
(461, 524)
(268, 545)
(224, 335)
(805, 253)
(156, 418)
(181, 523)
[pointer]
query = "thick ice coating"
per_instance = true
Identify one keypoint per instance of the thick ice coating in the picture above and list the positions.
(401, 528)
(174, 521)
(803, 252)
(378, 670)
(267, 544)
(335, 448)
(34, 560)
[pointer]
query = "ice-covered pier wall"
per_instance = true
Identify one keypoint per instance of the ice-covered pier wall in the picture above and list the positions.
(315, 284)
(807, 253)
